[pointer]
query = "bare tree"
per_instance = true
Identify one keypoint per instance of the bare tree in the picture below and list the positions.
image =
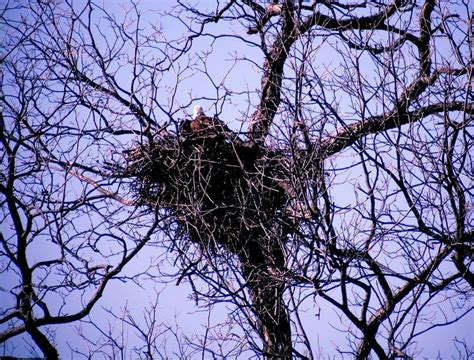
(345, 180)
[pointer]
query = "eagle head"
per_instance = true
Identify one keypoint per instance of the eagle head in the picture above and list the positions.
(198, 111)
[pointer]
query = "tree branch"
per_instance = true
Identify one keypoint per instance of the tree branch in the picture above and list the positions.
(347, 136)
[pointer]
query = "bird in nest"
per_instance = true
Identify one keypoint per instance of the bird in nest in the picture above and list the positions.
(203, 125)
(201, 121)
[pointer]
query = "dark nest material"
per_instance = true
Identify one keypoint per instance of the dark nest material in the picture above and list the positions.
(220, 189)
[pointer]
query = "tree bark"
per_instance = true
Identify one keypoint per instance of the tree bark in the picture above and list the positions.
(263, 269)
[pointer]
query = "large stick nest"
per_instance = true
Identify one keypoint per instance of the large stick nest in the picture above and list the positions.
(220, 189)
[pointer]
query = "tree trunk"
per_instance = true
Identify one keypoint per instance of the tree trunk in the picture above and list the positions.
(263, 267)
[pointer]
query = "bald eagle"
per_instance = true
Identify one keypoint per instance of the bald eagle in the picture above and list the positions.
(204, 126)
(198, 111)
(202, 122)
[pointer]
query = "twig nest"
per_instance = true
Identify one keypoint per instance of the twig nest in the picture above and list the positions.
(220, 189)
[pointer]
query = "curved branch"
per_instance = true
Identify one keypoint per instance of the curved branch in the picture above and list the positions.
(272, 78)
(347, 136)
